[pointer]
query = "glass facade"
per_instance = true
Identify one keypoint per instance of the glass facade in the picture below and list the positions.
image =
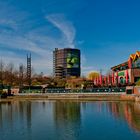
(69, 61)
(136, 63)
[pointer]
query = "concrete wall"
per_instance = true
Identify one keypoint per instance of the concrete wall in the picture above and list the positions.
(137, 90)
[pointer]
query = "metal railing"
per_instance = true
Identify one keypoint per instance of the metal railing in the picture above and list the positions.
(93, 90)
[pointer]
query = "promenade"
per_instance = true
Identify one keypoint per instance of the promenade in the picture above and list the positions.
(74, 96)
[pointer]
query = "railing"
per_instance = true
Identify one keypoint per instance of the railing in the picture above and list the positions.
(93, 90)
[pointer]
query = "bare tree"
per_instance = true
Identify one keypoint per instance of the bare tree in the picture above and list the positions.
(10, 70)
(1, 71)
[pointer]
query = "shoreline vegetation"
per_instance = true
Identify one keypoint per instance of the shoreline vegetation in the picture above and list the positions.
(74, 97)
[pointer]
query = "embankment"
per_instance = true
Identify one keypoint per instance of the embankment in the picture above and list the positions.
(74, 96)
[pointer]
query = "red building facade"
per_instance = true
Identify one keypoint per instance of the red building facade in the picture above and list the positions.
(127, 73)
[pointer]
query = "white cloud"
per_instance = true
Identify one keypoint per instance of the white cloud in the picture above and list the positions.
(41, 54)
(65, 26)
(17, 37)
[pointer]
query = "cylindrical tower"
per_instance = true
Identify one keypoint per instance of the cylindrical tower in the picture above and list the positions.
(66, 62)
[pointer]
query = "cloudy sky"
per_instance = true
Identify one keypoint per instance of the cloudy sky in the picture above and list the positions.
(106, 31)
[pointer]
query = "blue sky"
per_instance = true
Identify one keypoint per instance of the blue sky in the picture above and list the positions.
(106, 31)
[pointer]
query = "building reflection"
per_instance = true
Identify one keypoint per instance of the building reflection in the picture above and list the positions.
(6, 115)
(67, 119)
(15, 112)
(116, 109)
(66, 115)
(29, 115)
(1, 116)
(126, 110)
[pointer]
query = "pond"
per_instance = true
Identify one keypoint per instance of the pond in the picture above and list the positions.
(69, 120)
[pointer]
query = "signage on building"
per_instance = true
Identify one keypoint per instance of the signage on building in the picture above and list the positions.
(121, 73)
(72, 60)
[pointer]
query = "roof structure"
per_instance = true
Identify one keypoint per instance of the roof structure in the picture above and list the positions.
(120, 65)
(132, 57)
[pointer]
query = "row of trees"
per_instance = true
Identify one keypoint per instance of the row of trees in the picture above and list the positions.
(13, 76)
(10, 75)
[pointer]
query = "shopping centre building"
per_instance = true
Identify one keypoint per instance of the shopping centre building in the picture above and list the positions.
(127, 73)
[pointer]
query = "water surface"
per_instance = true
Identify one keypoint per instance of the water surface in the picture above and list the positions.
(67, 120)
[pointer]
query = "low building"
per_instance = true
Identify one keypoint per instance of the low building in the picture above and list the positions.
(129, 71)
(126, 73)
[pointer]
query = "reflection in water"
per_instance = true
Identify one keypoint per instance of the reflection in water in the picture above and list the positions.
(67, 119)
(13, 114)
(128, 111)
(0, 116)
(62, 120)
(134, 115)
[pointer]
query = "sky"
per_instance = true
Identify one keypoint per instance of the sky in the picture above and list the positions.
(106, 31)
